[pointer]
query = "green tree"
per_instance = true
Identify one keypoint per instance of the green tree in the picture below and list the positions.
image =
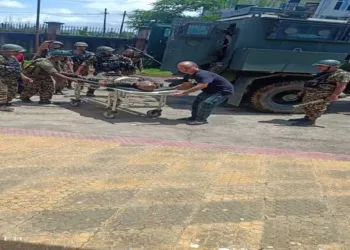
(164, 11)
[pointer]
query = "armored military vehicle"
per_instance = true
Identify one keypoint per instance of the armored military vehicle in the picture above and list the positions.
(268, 57)
(157, 41)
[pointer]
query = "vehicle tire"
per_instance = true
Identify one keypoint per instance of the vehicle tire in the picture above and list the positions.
(154, 113)
(278, 97)
(74, 103)
(109, 114)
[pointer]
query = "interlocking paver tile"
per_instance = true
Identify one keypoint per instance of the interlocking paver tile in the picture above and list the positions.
(105, 194)
(294, 207)
(228, 212)
(155, 216)
(298, 232)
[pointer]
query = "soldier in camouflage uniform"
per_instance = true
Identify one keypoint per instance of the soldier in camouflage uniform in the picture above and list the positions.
(44, 52)
(81, 60)
(10, 72)
(328, 84)
(136, 58)
(41, 71)
(109, 64)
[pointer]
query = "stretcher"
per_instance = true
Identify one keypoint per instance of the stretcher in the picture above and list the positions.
(118, 96)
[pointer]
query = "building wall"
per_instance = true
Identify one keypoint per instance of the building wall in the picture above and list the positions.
(335, 9)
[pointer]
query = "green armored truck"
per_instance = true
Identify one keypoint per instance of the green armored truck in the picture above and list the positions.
(157, 41)
(267, 56)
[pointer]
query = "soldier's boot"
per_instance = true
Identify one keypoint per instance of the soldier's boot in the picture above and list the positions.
(299, 119)
(4, 108)
(26, 99)
(90, 92)
(305, 123)
(44, 102)
(58, 92)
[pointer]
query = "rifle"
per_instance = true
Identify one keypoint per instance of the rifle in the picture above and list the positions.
(79, 78)
(72, 75)
(143, 53)
(302, 105)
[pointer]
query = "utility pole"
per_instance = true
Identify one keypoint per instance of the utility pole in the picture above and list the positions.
(37, 27)
(122, 25)
(104, 22)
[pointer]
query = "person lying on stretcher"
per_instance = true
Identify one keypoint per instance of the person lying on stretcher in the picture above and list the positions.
(140, 83)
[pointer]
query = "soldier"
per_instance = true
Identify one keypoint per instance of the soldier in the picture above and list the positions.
(41, 71)
(81, 60)
(46, 47)
(136, 58)
(325, 88)
(44, 51)
(111, 64)
(10, 72)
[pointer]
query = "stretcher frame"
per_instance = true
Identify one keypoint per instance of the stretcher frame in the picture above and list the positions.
(116, 95)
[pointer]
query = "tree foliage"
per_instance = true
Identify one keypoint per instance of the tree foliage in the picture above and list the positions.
(164, 11)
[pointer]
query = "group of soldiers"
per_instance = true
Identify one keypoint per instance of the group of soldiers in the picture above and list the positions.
(52, 69)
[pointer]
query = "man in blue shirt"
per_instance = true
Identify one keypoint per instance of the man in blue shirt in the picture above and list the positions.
(215, 90)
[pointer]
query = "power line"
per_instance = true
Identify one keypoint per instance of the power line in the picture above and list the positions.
(61, 14)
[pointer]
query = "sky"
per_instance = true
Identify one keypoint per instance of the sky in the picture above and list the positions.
(70, 12)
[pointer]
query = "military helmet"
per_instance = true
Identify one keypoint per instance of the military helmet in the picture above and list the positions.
(12, 47)
(328, 62)
(81, 44)
(58, 43)
(60, 52)
(104, 49)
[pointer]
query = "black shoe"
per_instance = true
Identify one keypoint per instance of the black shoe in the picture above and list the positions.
(186, 119)
(44, 102)
(196, 122)
(90, 93)
(305, 123)
(27, 100)
(8, 104)
(299, 119)
(69, 87)
(58, 92)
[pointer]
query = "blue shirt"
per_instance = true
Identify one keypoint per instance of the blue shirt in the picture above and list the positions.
(216, 83)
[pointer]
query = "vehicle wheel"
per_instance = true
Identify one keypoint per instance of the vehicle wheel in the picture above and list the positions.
(109, 114)
(278, 97)
(74, 103)
(154, 113)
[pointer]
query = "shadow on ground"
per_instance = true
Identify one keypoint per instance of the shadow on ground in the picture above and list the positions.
(13, 245)
(123, 115)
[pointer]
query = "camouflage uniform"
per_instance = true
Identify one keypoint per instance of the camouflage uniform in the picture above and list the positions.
(322, 89)
(136, 58)
(85, 59)
(10, 71)
(40, 71)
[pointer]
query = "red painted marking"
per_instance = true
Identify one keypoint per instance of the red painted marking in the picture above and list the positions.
(173, 143)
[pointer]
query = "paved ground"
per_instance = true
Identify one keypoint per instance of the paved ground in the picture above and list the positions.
(70, 178)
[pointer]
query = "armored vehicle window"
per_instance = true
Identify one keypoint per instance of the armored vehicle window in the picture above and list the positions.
(167, 32)
(197, 30)
(290, 30)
